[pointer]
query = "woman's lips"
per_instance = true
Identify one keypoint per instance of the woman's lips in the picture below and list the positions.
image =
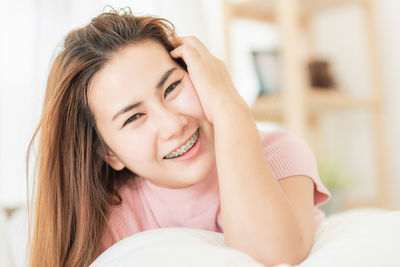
(178, 147)
(192, 152)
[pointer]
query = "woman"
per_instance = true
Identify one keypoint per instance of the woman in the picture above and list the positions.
(141, 130)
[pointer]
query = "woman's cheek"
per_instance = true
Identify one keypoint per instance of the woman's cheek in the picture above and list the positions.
(188, 101)
(135, 154)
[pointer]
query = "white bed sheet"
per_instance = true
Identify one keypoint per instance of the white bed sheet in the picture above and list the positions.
(359, 237)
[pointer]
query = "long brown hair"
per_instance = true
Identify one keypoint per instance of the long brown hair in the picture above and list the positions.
(74, 187)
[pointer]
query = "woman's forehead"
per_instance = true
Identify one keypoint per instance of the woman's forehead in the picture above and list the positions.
(137, 65)
(139, 56)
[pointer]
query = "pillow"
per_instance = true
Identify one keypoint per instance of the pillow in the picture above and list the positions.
(356, 238)
(359, 237)
(174, 247)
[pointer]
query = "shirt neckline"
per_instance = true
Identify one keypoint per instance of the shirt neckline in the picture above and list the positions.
(197, 194)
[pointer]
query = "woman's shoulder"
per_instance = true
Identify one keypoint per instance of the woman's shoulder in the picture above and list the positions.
(285, 148)
(130, 199)
(280, 137)
(288, 154)
(124, 219)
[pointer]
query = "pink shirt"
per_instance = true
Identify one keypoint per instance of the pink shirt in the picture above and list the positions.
(147, 206)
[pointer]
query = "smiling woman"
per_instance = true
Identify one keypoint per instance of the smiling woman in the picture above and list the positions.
(134, 125)
(91, 118)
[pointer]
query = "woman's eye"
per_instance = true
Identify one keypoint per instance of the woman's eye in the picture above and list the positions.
(171, 88)
(132, 118)
(167, 91)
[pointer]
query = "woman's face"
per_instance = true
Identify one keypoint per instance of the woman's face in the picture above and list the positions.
(169, 114)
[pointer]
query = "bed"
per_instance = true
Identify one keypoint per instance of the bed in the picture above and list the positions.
(364, 237)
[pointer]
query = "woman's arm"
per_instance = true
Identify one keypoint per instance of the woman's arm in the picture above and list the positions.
(258, 217)
(265, 218)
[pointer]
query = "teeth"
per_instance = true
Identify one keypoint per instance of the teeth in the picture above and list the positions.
(184, 148)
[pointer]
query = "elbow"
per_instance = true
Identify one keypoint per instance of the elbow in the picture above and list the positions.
(290, 255)
(299, 257)
(286, 259)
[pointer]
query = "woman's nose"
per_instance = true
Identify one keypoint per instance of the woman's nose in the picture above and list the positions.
(170, 124)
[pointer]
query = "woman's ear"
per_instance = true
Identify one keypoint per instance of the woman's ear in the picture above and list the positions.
(113, 160)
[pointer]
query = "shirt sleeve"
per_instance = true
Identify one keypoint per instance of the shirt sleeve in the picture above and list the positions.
(289, 155)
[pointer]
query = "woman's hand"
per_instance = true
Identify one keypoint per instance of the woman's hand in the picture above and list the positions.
(209, 76)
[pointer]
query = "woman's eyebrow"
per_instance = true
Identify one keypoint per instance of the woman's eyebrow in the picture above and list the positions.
(165, 77)
(158, 87)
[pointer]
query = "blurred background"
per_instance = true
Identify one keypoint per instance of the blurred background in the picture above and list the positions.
(327, 70)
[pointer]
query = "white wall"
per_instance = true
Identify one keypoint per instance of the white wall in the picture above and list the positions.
(18, 88)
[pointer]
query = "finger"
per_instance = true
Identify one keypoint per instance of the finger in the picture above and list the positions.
(187, 52)
(196, 43)
(177, 52)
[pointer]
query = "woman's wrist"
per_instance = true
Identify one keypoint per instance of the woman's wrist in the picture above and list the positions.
(231, 107)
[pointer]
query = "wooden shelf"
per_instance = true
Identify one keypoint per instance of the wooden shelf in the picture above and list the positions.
(300, 108)
(254, 10)
(317, 101)
(264, 10)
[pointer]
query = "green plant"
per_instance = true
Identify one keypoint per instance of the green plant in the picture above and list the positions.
(333, 176)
